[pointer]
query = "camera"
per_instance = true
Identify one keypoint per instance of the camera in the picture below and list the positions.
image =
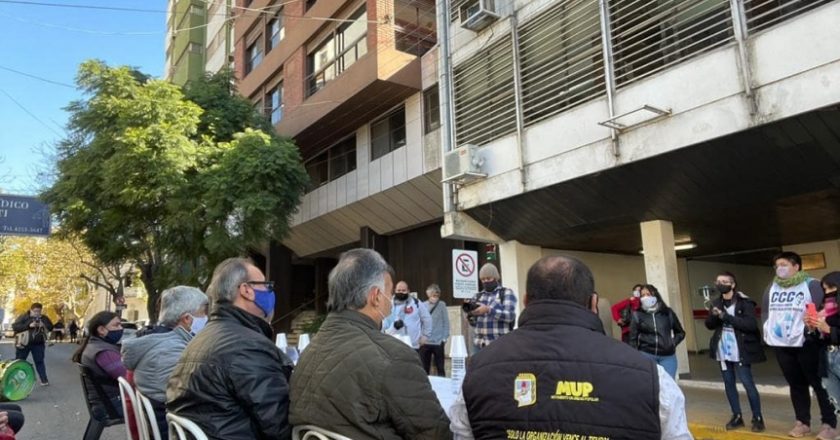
(469, 306)
(399, 324)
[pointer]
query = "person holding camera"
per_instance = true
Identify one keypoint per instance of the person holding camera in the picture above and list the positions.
(411, 317)
(492, 312)
(31, 330)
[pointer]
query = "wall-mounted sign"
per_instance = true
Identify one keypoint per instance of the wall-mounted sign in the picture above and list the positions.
(21, 215)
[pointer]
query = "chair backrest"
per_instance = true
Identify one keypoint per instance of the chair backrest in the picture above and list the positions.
(310, 432)
(89, 382)
(128, 399)
(146, 416)
(178, 425)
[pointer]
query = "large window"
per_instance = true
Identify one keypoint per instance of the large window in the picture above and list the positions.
(275, 31)
(431, 109)
(337, 161)
(253, 56)
(274, 104)
(339, 51)
(387, 134)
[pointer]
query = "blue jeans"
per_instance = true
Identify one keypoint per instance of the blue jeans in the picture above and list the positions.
(669, 363)
(744, 372)
(831, 383)
(38, 351)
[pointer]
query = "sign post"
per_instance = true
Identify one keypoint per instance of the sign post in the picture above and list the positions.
(21, 215)
(464, 273)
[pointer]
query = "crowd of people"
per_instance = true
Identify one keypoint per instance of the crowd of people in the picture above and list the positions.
(211, 358)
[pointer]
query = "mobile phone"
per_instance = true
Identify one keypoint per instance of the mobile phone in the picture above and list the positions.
(811, 310)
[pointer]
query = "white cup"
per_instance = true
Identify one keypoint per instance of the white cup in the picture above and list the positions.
(457, 347)
(280, 341)
(303, 342)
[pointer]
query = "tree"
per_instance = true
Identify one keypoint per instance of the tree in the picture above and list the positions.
(146, 175)
(52, 271)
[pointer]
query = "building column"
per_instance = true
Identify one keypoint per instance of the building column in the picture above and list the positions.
(516, 258)
(279, 270)
(661, 271)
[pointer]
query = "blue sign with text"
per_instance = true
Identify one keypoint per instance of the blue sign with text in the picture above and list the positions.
(21, 215)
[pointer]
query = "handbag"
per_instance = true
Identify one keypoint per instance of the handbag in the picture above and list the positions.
(22, 339)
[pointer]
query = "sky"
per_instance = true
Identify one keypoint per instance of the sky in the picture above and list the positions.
(50, 42)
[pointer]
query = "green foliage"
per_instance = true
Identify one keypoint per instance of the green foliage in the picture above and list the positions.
(149, 176)
(315, 325)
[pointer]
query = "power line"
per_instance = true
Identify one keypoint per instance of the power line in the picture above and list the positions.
(39, 78)
(78, 6)
(29, 112)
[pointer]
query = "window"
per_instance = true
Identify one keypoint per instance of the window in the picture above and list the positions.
(431, 109)
(196, 48)
(309, 4)
(414, 26)
(274, 104)
(337, 161)
(387, 134)
(253, 57)
(339, 51)
(275, 31)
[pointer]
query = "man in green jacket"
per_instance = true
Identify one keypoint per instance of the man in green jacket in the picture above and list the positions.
(354, 380)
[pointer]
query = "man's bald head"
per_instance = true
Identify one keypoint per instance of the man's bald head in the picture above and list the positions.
(559, 277)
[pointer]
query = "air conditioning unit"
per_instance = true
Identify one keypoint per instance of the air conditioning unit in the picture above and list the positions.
(463, 164)
(476, 15)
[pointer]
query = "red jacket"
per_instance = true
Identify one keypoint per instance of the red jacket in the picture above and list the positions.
(634, 304)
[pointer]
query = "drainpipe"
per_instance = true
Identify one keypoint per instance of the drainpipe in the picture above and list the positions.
(739, 22)
(517, 94)
(446, 93)
(609, 69)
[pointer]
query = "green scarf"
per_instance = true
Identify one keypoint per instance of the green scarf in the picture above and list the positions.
(799, 278)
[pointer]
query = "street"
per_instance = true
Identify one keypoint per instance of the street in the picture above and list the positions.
(57, 411)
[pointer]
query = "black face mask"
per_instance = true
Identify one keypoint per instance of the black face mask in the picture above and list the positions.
(490, 286)
(400, 296)
(723, 288)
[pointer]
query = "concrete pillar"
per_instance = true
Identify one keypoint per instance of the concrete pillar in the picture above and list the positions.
(516, 259)
(661, 271)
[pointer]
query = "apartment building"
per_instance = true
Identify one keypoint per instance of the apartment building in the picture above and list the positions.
(199, 38)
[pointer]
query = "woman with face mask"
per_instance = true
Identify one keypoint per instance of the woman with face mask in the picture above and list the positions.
(622, 311)
(655, 330)
(736, 345)
(827, 321)
(100, 353)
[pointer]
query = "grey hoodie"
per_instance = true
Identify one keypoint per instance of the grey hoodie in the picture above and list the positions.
(153, 358)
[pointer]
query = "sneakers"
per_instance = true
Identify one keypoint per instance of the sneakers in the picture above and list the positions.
(827, 433)
(758, 424)
(736, 422)
(799, 430)
(45, 384)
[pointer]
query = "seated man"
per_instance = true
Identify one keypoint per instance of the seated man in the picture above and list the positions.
(231, 380)
(153, 357)
(356, 381)
(568, 377)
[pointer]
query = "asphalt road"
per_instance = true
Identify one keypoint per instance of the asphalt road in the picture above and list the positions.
(57, 411)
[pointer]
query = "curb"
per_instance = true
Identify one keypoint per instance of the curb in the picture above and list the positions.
(775, 390)
(705, 432)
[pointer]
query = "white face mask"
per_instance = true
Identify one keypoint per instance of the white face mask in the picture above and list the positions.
(636, 294)
(648, 302)
(783, 272)
(198, 324)
(390, 310)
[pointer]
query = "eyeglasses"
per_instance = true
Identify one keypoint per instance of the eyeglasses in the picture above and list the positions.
(268, 284)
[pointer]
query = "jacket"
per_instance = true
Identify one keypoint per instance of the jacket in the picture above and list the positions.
(652, 332)
(561, 384)
(231, 380)
(440, 322)
(358, 382)
(95, 346)
(21, 325)
(745, 324)
(153, 358)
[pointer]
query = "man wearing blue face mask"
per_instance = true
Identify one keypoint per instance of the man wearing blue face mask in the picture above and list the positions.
(153, 357)
(231, 380)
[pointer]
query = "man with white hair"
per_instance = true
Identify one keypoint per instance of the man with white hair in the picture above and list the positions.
(231, 380)
(153, 357)
(493, 310)
(353, 379)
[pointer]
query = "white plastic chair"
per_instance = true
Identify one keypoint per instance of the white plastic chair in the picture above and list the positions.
(146, 418)
(311, 432)
(177, 426)
(127, 395)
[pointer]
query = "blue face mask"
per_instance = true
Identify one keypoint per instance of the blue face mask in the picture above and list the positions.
(198, 324)
(113, 336)
(264, 299)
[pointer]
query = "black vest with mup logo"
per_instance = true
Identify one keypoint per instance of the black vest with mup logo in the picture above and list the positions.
(559, 376)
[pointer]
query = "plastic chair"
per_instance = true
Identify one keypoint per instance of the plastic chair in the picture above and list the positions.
(96, 425)
(127, 397)
(177, 426)
(146, 416)
(310, 432)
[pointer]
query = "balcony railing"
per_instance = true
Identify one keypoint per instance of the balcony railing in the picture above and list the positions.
(576, 51)
(355, 50)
